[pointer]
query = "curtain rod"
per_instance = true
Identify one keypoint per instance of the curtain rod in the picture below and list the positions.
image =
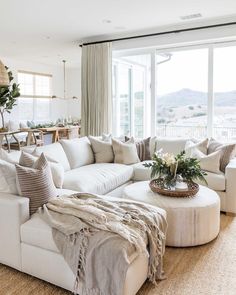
(161, 33)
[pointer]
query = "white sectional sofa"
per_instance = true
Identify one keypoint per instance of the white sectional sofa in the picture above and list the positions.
(27, 243)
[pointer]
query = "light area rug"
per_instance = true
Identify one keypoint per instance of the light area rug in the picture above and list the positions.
(209, 269)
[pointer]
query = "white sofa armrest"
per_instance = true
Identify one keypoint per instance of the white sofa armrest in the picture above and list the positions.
(230, 175)
(14, 211)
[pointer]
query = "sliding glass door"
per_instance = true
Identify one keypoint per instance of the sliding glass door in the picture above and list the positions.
(131, 94)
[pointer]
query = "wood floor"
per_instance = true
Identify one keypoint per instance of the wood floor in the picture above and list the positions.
(208, 270)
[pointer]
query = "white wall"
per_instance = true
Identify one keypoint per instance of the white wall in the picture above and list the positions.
(59, 107)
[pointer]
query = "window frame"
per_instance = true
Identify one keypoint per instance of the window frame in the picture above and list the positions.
(35, 97)
(154, 79)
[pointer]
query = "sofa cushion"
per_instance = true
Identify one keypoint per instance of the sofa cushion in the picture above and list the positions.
(215, 181)
(36, 183)
(54, 151)
(78, 151)
(125, 153)
(57, 170)
(170, 145)
(99, 178)
(141, 173)
(103, 151)
(37, 232)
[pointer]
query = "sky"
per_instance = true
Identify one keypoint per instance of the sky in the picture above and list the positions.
(189, 69)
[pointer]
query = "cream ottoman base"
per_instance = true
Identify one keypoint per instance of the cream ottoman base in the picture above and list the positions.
(191, 221)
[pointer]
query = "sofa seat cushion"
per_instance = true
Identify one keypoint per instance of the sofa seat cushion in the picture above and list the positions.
(37, 232)
(99, 178)
(215, 181)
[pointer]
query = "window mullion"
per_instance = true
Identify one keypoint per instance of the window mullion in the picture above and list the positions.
(210, 101)
(153, 93)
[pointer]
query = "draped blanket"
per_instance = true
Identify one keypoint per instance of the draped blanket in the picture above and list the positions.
(98, 235)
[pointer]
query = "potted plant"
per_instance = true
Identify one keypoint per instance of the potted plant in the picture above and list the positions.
(8, 95)
(172, 172)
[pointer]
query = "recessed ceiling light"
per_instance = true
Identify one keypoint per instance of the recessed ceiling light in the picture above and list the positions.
(48, 37)
(191, 16)
(106, 21)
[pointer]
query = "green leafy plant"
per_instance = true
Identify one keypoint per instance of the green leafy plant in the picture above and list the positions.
(8, 95)
(170, 168)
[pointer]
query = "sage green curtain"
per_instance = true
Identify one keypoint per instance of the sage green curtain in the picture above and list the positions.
(96, 85)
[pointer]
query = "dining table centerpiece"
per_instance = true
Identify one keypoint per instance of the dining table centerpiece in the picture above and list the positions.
(175, 175)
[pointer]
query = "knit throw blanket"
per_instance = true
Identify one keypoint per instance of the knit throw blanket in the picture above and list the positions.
(97, 235)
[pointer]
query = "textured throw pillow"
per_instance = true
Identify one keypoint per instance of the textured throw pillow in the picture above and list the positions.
(8, 178)
(125, 153)
(201, 146)
(36, 183)
(210, 162)
(102, 150)
(57, 170)
(228, 151)
(143, 148)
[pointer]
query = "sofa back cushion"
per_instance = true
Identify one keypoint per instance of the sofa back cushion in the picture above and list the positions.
(78, 151)
(56, 152)
(168, 145)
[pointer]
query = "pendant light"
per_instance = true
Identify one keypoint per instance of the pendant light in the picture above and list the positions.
(64, 81)
(4, 79)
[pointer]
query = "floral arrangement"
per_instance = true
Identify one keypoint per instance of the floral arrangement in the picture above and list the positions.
(169, 169)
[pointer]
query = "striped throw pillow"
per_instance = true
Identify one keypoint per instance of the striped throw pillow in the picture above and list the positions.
(36, 183)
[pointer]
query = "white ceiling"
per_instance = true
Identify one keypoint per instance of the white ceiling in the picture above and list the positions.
(48, 31)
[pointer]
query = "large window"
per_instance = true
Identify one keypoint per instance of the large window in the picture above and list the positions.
(181, 105)
(34, 102)
(178, 92)
(224, 119)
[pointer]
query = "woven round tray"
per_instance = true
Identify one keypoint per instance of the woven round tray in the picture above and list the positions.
(193, 188)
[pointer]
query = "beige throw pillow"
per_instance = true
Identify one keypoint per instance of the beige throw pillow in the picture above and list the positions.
(210, 162)
(143, 148)
(191, 146)
(57, 170)
(102, 150)
(125, 153)
(36, 183)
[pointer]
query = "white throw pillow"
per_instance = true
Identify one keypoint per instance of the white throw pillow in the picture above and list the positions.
(125, 153)
(57, 170)
(103, 151)
(201, 146)
(8, 178)
(78, 151)
(12, 157)
(210, 162)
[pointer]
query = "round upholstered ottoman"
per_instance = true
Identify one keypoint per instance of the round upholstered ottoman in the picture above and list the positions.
(191, 221)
